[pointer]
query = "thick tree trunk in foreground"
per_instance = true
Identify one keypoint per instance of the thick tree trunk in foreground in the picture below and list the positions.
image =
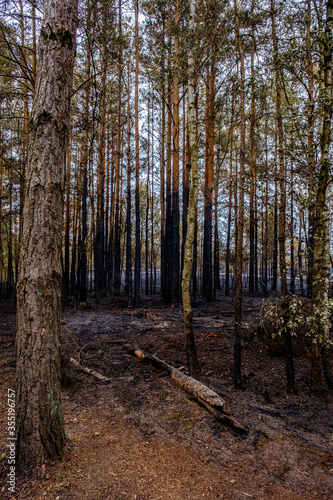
(40, 432)
(192, 359)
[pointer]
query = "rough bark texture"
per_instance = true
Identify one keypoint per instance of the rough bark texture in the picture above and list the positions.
(40, 432)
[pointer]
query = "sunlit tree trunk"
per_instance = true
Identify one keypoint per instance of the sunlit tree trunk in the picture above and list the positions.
(192, 360)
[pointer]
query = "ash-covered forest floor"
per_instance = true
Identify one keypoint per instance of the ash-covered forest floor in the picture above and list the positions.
(142, 437)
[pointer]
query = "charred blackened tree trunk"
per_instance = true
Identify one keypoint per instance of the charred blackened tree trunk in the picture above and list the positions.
(162, 162)
(129, 285)
(40, 430)
(100, 270)
(84, 174)
(227, 257)
(208, 189)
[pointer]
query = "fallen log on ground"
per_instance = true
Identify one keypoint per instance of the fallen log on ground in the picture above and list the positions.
(91, 372)
(203, 394)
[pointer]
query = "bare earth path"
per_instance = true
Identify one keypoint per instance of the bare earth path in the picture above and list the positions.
(141, 437)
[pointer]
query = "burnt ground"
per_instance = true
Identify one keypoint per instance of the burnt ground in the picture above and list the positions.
(142, 437)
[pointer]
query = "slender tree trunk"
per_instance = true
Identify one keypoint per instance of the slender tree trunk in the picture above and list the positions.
(217, 285)
(129, 286)
(100, 271)
(117, 276)
(26, 113)
(292, 243)
(66, 280)
(240, 224)
(147, 203)
(208, 189)
(311, 150)
(175, 170)
(252, 163)
(39, 419)
(227, 258)
(137, 269)
(84, 176)
(168, 205)
(299, 254)
(192, 360)
(290, 375)
(186, 180)
(162, 164)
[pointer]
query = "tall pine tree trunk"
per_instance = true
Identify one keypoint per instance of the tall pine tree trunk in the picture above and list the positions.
(137, 265)
(240, 222)
(40, 431)
(175, 170)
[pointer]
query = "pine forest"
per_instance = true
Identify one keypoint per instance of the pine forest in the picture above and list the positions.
(166, 292)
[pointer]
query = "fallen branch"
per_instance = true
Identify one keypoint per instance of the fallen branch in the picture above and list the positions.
(85, 369)
(203, 394)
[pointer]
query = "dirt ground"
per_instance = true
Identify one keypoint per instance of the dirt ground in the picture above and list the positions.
(142, 437)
